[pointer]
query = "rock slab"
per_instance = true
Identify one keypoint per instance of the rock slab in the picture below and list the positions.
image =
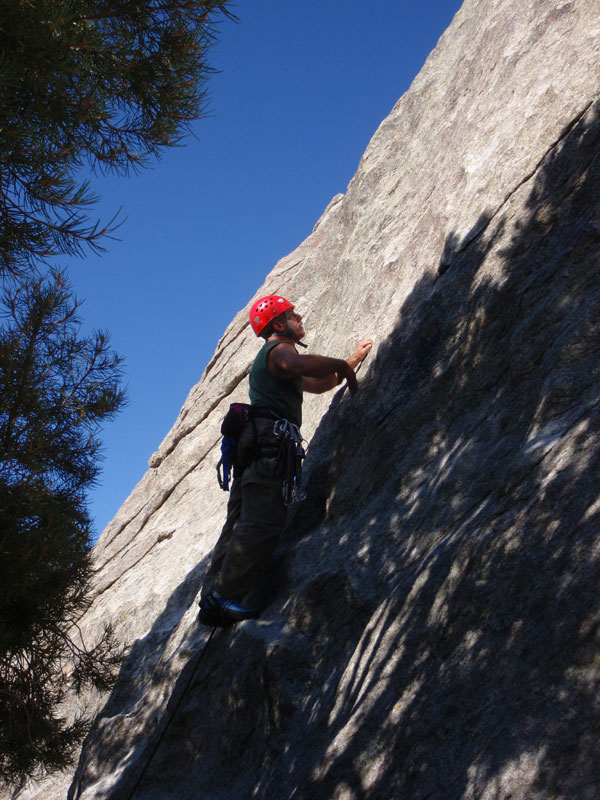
(434, 620)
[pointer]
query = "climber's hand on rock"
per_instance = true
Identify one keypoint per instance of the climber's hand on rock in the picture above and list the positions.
(360, 353)
(362, 349)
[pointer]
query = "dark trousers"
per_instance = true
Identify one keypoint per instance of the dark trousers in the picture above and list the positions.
(256, 516)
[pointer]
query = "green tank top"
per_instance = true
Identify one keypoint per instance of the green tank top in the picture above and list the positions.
(282, 395)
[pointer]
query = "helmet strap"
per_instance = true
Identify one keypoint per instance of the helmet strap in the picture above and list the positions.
(289, 335)
(288, 332)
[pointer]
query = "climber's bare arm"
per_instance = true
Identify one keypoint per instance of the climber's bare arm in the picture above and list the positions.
(320, 373)
(320, 385)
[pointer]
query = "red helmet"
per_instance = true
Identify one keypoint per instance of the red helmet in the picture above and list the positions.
(265, 310)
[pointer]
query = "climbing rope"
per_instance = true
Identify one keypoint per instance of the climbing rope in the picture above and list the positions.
(171, 716)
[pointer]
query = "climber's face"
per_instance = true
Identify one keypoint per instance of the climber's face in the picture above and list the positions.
(289, 323)
(295, 323)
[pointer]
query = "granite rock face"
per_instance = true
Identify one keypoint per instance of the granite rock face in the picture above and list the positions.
(433, 627)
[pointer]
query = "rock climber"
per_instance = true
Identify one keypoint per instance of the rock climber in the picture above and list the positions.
(268, 454)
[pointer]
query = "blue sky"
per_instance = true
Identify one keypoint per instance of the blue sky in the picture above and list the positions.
(301, 87)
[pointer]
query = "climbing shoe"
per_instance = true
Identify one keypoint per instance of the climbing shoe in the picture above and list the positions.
(219, 612)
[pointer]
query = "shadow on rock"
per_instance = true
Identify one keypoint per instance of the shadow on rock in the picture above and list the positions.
(437, 635)
(459, 495)
(114, 746)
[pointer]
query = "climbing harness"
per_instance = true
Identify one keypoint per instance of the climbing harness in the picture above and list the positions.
(288, 448)
(291, 453)
(231, 428)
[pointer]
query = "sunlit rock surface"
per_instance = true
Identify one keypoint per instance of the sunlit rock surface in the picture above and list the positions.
(433, 626)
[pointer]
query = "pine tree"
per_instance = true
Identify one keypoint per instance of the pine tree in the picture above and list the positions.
(103, 83)
(85, 85)
(56, 387)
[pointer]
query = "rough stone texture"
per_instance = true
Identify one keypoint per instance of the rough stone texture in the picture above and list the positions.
(434, 624)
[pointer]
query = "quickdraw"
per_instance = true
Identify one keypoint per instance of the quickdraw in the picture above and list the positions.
(293, 453)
